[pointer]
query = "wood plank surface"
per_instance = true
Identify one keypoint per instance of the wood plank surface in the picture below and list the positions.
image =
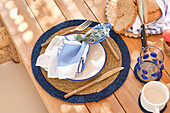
(24, 41)
(46, 12)
(75, 9)
(73, 16)
(91, 108)
(107, 105)
(26, 21)
(155, 40)
(98, 8)
(134, 53)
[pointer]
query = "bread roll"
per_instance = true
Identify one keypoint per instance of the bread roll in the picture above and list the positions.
(127, 12)
(122, 13)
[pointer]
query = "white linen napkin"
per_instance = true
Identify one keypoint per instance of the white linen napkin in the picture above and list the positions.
(64, 57)
(157, 26)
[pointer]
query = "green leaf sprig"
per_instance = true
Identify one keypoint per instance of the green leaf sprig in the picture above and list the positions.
(78, 37)
(94, 36)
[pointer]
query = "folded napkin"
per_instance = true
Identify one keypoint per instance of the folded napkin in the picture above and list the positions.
(65, 56)
(157, 26)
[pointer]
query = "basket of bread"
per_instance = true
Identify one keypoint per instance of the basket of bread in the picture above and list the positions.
(124, 16)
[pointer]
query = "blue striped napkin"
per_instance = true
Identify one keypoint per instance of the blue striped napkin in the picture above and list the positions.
(65, 56)
(157, 26)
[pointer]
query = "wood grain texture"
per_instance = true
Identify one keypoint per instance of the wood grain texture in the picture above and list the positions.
(26, 21)
(69, 14)
(98, 9)
(24, 40)
(135, 52)
(157, 40)
(107, 105)
(128, 94)
(46, 12)
(128, 86)
(134, 46)
(75, 9)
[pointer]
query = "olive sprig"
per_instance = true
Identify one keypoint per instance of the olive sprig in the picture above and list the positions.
(94, 36)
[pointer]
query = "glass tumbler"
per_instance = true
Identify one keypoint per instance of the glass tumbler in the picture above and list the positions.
(150, 63)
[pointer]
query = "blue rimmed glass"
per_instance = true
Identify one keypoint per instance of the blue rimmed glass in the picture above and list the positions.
(150, 63)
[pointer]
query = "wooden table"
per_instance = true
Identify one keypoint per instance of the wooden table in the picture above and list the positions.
(26, 20)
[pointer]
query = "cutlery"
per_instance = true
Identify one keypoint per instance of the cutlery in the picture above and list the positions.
(112, 50)
(143, 33)
(81, 27)
(102, 77)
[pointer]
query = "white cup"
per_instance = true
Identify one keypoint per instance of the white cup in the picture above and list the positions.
(154, 96)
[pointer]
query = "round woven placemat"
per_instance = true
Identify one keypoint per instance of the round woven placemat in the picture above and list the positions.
(68, 86)
(57, 87)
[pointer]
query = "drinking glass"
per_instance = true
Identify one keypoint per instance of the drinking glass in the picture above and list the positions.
(150, 63)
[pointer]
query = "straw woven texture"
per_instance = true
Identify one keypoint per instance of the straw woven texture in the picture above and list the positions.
(68, 86)
(4, 45)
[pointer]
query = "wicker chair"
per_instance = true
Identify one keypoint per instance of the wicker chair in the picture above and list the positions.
(7, 49)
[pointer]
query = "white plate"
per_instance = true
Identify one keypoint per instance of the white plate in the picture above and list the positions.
(94, 63)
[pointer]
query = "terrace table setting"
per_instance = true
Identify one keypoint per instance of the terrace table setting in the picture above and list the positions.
(92, 68)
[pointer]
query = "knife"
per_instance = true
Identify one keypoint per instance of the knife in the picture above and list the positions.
(102, 77)
(143, 33)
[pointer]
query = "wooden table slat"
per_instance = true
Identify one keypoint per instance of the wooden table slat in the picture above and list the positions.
(107, 105)
(27, 19)
(46, 12)
(75, 9)
(24, 44)
(117, 105)
(98, 8)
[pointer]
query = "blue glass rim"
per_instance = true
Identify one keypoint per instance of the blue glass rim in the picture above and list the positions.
(140, 58)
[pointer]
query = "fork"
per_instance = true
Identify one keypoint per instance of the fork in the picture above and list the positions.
(81, 27)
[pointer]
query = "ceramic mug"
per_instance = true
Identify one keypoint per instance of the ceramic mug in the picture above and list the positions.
(154, 96)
